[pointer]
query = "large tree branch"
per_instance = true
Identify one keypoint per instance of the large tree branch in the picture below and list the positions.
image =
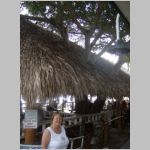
(95, 39)
(87, 44)
(97, 18)
(89, 33)
(51, 21)
(98, 13)
(71, 32)
(61, 26)
(106, 47)
(79, 26)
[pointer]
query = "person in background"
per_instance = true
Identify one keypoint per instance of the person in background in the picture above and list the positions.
(54, 136)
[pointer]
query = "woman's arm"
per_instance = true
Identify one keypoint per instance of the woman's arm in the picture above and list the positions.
(45, 139)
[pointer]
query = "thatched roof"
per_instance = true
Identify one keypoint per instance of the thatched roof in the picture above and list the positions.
(48, 68)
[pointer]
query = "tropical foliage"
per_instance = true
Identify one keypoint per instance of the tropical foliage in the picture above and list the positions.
(92, 22)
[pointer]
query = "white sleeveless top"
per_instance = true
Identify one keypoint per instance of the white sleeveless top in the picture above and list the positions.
(58, 140)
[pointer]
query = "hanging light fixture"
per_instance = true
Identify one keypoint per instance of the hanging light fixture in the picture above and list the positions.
(119, 46)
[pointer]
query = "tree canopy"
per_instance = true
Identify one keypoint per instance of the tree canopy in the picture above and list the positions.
(92, 22)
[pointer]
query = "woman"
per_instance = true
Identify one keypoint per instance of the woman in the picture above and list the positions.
(54, 137)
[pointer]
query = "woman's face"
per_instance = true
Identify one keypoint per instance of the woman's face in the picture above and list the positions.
(57, 120)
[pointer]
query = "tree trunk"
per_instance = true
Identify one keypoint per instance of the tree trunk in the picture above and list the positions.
(87, 44)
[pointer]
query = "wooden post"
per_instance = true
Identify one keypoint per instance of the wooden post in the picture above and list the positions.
(106, 134)
(122, 119)
(105, 131)
(30, 135)
(82, 127)
(119, 122)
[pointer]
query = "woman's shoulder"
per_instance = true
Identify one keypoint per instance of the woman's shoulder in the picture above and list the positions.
(49, 129)
(46, 132)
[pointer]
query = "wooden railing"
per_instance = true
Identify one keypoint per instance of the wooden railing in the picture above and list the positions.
(74, 120)
(77, 138)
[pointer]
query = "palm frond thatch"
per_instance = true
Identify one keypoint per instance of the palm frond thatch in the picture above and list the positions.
(49, 68)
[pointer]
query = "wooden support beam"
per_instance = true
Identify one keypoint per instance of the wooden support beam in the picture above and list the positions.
(106, 135)
(30, 135)
(119, 120)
